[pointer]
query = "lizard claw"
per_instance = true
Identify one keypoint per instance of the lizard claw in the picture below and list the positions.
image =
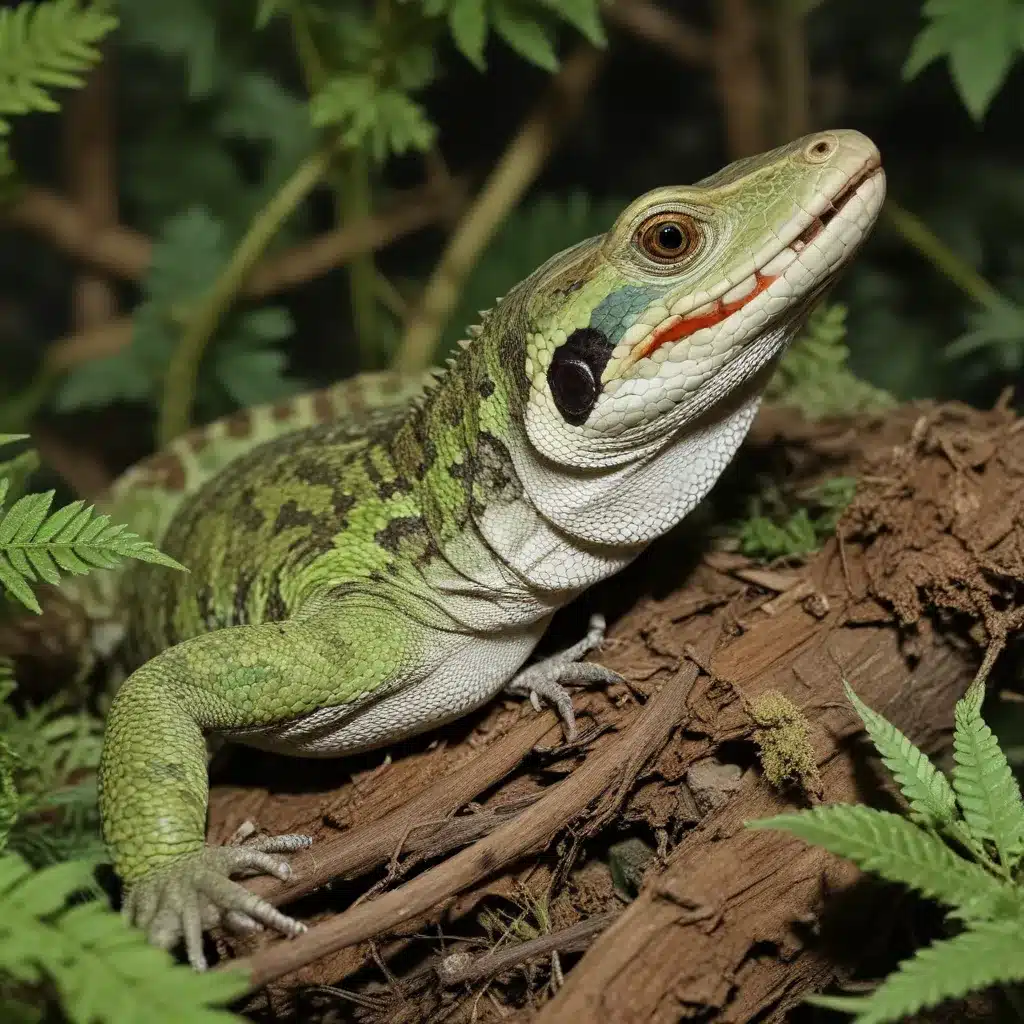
(545, 679)
(196, 892)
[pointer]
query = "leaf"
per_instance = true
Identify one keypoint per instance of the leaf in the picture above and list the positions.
(267, 10)
(888, 845)
(1000, 329)
(16, 472)
(985, 787)
(526, 35)
(34, 544)
(988, 953)
(980, 43)
(103, 971)
(250, 371)
(381, 120)
(583, 15)
(189, 254)
(467, 21)
(181, 29)
(931, 797)
(814, 375)
(46, 46)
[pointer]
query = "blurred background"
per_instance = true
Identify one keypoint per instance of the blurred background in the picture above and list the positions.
(213, 203)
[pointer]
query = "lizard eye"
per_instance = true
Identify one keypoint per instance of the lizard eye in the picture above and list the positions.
(574, 375)
(667, 237)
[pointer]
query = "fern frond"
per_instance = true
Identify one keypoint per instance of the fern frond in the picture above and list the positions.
(985, 787)
(35, 545)
(8, 763)
(931, 797)
(989, 953)
(103, 970)
(16, 472)
(899, 851)
(48, 758)
(814, 376)
(46, 46)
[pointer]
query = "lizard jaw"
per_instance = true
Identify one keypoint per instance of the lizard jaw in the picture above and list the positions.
(641, 341)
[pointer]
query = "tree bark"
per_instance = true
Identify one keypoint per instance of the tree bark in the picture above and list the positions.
(730, 924)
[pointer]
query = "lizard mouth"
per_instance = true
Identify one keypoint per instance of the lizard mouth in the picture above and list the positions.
(837, 202)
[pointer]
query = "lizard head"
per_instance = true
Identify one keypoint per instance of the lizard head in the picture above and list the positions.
(685, 302)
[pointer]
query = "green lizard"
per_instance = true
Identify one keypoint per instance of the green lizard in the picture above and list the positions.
(360, 575)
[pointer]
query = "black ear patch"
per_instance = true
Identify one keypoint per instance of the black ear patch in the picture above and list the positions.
(574, 375)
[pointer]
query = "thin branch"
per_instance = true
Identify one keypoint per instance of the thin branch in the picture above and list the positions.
(89, 148)
(610, 768)
(509, 180)
(792, 69)
(914, 231)
(84, 346)
(304, 262)
(182, 373)
(119, 251)
(353, 852)
(461, 968)
(740, 77)
(126, 254)
(656, 26)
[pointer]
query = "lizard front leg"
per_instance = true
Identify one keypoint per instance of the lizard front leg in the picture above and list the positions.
(153, 784)
(546, 678)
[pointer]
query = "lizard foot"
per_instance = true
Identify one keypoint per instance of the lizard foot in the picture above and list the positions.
(546, 678)
(196, 893)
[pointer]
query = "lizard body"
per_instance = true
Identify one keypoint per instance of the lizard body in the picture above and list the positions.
(357, 577)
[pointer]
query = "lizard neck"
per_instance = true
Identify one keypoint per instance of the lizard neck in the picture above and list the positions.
(518, 536)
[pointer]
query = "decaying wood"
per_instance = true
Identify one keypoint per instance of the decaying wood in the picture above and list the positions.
(730, 924)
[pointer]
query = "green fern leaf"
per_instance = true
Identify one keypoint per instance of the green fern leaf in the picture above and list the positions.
(583, 15)
(931, 797)
(467, 21)
(985, 786)
(382, 120)
(46, 46)
(103, 971)
(35, 545)
(525, 33)
(16, 472)
(814, 375)
(989, 953)
(899, 851)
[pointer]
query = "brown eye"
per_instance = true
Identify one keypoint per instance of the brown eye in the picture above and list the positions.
(668, 237)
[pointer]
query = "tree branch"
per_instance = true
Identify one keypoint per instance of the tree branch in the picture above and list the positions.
(126, 254)
(740, 77)
(89, 148)
(656, 26)
(607, 771)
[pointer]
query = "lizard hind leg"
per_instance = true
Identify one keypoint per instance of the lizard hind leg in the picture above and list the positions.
(546, 679)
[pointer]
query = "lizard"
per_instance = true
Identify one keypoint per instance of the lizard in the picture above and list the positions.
(359, 575)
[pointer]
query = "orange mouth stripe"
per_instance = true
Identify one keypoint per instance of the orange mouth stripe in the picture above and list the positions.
(676, 327)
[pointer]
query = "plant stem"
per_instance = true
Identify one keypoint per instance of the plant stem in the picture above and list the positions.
(515, 171)
(942, 257)
(182, 373)
(354, 202)
(351, 187)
